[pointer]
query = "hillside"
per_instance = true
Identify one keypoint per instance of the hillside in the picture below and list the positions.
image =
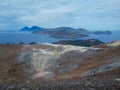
(64, 32)
(68, 32)
(87, 43)
(60, 67)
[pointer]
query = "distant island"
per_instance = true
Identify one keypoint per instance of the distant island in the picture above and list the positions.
(31, 29)
(64, 32)
(102, 32)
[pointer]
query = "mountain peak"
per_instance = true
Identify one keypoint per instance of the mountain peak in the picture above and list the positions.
(33, 28)
(36, 28)
(25, 28)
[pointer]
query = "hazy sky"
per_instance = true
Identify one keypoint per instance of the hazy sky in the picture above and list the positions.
(90, 14)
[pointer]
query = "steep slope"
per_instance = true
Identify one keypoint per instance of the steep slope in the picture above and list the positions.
(25, 29)
(103, 61)
(113, 44)
(10, 68)
(68, 67)
(36, 28)
(63, 58)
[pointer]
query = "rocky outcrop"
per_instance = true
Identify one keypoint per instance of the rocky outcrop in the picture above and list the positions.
(58, 58)
(86, 43)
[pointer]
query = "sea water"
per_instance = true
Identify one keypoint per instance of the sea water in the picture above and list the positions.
(27, 37)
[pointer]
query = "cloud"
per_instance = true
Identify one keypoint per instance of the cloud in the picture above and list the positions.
(91, 14)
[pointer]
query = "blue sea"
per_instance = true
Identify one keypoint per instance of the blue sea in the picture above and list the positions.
(15, 37)
(106, 38)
